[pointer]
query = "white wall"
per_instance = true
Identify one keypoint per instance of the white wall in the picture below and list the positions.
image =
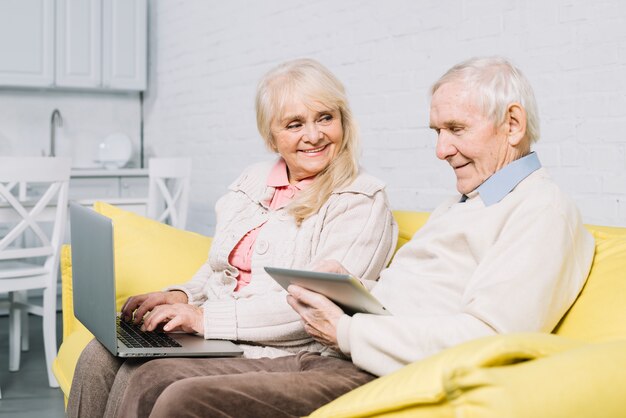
(88, 118)
(206, 58)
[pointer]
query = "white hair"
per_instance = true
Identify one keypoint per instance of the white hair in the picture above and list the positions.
(496, 83)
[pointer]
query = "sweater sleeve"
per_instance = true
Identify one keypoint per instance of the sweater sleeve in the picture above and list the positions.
(358, 231)
(194, 288)
(263, 319)
(525, 283)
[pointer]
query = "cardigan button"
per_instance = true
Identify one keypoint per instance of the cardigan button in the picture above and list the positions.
(261, 246)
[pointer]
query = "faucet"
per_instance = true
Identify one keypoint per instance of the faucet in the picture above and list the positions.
(55, 120)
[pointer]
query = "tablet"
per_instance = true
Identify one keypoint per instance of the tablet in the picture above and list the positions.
(345, 290)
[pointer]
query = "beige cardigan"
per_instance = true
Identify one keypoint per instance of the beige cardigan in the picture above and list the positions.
(355, 226)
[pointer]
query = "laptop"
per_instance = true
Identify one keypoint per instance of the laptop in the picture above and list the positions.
(93, 277)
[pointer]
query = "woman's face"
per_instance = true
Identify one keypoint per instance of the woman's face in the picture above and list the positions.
(307, 139)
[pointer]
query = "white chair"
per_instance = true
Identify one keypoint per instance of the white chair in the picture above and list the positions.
(34, 220)
(168, 190)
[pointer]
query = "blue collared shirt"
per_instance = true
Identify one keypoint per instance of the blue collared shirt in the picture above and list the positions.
(496, 187)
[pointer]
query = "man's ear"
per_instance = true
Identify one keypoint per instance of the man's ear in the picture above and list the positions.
(516, 116)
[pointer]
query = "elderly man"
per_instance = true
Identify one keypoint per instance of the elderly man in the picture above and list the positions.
(508, 254)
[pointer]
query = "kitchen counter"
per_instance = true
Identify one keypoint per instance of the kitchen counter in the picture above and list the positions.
(101, 172)
(124, 187)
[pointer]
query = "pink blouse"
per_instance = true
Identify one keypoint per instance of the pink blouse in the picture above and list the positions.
(241, 256)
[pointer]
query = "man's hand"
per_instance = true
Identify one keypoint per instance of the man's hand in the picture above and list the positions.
(176, 317)
(140, 305)
(320, 315)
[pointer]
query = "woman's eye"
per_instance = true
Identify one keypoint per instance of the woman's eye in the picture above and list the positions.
(326, 118)
(294, 125)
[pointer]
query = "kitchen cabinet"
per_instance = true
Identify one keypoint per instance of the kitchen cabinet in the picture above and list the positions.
(78, 39)
(124, 44)
(97, 44)
(27, 43)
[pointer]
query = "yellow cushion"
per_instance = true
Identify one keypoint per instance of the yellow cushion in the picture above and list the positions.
(408, 223)
(148, 256)
(422, 389)
(69, 321)
(587, 381)
(599, 313)
(67, 357)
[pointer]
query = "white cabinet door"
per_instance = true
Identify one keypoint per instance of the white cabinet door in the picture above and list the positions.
(78, 43)
(124, 44)
(26, 43)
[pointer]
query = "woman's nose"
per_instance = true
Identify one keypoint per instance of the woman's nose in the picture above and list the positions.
(312, 132)
(444, 148)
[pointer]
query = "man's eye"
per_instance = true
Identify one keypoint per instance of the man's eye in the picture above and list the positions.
(456, 129)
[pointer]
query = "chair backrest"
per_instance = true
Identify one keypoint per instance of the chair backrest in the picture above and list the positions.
(168, 193)
(40, 199)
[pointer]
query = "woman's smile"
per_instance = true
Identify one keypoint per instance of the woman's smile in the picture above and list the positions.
(314, 151)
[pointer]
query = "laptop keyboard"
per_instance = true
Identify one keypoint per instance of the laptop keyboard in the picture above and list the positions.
(132, 335)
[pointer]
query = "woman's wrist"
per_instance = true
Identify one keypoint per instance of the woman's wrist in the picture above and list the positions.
(177, 296)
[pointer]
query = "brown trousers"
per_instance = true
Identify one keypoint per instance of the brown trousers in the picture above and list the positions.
(288, 386)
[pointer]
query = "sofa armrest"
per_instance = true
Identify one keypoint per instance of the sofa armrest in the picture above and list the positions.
(70, 323)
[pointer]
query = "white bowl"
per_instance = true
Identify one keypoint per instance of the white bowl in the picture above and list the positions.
(115, 151)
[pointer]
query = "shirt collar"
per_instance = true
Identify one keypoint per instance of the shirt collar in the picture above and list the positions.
(278, 177)
(503, 181)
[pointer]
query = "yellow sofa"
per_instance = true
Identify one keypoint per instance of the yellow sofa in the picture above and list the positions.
(577, 371)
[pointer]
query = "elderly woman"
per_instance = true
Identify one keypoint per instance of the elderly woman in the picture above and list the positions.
(311, 204)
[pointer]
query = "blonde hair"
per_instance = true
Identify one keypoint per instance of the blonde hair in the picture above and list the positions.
(309, 81)
(496, 83)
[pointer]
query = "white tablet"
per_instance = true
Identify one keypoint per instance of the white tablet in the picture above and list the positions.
(346, 291)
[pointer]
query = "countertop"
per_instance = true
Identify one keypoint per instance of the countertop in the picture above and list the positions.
(101, 172)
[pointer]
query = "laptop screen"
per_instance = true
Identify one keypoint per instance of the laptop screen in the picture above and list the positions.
(93, 273)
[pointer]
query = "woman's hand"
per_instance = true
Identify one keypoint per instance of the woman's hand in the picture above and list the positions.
(175, 317)
(140, 305)
(329, 266)
(320, 315)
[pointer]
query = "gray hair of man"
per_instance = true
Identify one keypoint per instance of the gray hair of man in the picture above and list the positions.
(496, 83)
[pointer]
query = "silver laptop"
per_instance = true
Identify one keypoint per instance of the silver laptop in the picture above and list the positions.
(93, 276)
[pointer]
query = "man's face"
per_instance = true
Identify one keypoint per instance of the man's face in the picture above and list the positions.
(466, 138)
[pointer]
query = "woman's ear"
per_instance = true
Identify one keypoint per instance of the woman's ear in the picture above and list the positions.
(516, 117)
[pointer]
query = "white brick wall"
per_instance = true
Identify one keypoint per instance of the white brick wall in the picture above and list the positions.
(207, 56)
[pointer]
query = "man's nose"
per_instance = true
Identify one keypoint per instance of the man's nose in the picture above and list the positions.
(445, 149)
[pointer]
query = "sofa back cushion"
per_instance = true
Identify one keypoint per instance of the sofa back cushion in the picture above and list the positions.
(599, 313)
(408, 223)
(149, 255)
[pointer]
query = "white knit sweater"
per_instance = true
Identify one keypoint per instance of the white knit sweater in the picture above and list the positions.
(355, 226)
(475, 270)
